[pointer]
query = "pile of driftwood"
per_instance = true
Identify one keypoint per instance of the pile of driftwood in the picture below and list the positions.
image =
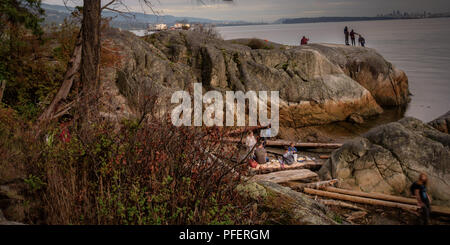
(325, 189)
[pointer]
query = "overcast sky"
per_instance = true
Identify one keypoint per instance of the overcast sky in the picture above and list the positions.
(266, 10)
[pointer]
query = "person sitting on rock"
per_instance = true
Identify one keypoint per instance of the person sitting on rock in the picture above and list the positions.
(287, 158)
(250, 142)
(304, 41)
(419, 190)
(292, 148)
(261, 154)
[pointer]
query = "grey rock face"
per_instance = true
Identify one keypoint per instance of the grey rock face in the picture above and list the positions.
(316, 85)
(390, 157)
(298, 208)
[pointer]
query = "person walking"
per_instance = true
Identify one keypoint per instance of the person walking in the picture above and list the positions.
(352, 37)
(419, 190)
(346, 33)
(304, 41)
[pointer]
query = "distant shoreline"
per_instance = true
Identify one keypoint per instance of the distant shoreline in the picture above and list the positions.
(335, 20)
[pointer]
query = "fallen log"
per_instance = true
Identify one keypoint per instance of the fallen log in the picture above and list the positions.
(246, 129)
(286, 176)
(321, 184)
(379, 196)
(275, 167)
(314, 185)
(440, 210)
(363, 200)
(287, 143)
(69, 76)
(340, 204)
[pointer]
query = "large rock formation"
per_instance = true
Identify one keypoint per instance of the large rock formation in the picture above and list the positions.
(389, 158)
(387, 84)
(442, 123)
(315, 83)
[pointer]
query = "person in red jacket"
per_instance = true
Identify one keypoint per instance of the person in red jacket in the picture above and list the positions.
(304, 41)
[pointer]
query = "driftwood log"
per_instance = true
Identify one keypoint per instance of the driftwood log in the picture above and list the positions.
(379, 196)
(246, 129)
(363, 200)
(270, 168)
(287, 176)
(287, 143)
(340, 204)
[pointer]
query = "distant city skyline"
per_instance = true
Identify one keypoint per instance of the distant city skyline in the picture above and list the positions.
(267, 11)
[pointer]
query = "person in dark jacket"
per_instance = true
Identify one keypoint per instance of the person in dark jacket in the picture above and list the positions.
(419, 190)
(346, 33)
(353, 37)
(362, 41)
(304, 41)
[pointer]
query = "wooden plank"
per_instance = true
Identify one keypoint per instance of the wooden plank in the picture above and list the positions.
(363, 200)
(286, 176)
(379, 196)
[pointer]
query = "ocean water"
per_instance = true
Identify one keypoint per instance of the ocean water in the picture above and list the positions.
(419, 47)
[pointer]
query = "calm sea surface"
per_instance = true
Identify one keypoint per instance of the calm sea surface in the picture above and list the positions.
(419, 47)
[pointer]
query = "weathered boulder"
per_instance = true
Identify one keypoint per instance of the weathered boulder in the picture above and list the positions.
(314, 89)
(282, 205)
(387, 84)
(388, 158)
(442, 123)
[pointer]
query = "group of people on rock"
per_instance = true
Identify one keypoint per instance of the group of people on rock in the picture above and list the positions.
(257, 152)
(352, 37)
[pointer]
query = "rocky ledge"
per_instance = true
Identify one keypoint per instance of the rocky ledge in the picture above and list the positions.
(390, 157)
(318, 84)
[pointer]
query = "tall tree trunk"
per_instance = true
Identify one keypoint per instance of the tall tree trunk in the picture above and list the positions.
(90, 56)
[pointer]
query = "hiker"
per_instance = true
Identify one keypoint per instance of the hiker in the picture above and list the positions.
(346, 35)
(287, 158)
(361, 41)
(261, 154)
(419, 190)
(250, 142)
(304, 41)
(352, 37)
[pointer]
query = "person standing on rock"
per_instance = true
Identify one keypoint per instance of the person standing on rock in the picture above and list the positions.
(419, 190)
(346, 33)
(352, 37)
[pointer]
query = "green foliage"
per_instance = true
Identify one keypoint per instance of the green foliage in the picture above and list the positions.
(33, 67)
(23, 12)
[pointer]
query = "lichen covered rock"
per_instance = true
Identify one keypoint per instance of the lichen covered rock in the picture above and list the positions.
(388, 158)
